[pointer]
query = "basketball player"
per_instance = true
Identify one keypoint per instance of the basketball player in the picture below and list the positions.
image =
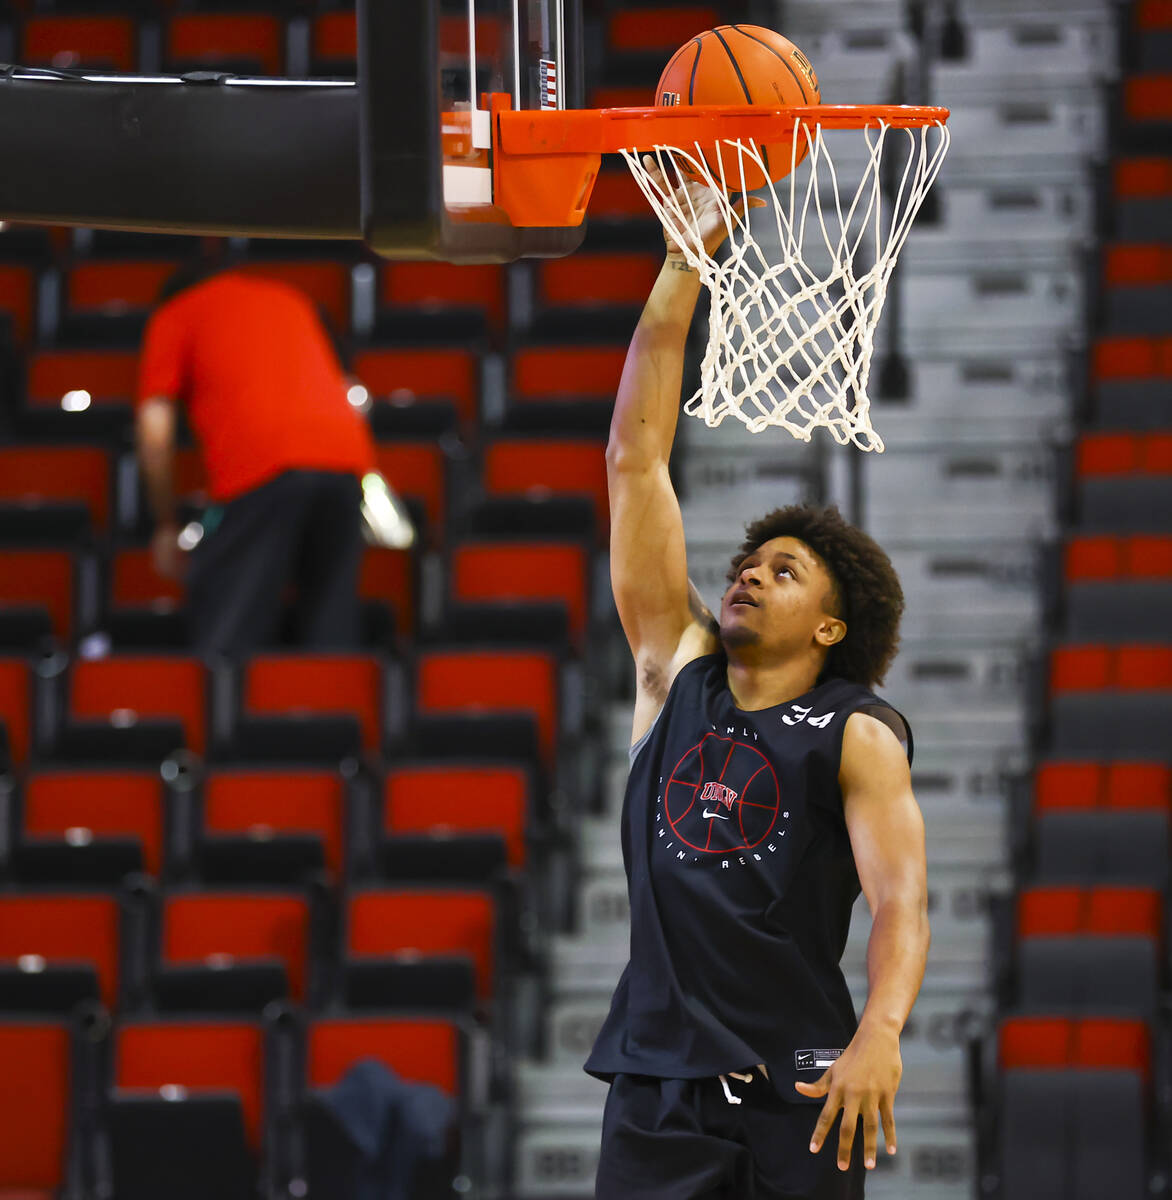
(767, 783)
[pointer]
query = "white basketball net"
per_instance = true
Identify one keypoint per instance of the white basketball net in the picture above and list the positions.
(791, 333)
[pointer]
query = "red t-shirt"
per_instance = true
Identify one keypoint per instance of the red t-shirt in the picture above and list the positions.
(262, 385)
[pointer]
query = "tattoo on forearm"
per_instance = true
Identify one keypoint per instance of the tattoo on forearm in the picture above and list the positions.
(680, 264)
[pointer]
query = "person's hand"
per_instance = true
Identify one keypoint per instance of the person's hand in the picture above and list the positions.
(168, 558)
(703, 209)
(863, 1082)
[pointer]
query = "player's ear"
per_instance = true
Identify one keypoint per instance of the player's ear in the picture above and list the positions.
(830, 632)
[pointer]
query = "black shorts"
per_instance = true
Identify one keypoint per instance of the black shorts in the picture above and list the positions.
(681, 1139)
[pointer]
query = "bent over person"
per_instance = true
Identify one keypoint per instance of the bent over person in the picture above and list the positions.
(284, 453)
(768, 784)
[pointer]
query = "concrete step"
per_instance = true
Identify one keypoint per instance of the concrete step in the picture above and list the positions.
(958, 904)
(588, 964)
(599, 847)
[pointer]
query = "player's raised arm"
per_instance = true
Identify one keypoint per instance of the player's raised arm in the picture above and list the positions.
(647, 555)
(664, 619)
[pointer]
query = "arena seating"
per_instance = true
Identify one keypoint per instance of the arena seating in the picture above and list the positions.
(1072, 1090)
(222, 886)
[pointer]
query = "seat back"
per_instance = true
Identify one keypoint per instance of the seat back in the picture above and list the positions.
(63, 927)
(1089, 974)
(201, 926)
(484, 799)
(35, 1105)
(416, 1049)
(1113, 846)
(107, 803)
(285, 801)
(524, 571)
(145, 685)
(42, 579)
(318, 683)
(453, 681)
(385, 921)
(196, 1055)
(57, 474)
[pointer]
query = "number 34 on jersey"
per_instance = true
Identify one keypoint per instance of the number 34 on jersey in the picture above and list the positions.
(800, 714)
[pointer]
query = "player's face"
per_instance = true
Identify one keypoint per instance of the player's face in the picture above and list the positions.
(780, 599)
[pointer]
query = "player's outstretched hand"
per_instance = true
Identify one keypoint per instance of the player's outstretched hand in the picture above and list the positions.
(702, 207)
(862, 1083)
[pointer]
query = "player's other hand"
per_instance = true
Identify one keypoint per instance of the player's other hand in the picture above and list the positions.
(862, 1083)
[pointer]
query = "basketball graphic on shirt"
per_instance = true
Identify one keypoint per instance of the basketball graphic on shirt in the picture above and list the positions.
(722, 796)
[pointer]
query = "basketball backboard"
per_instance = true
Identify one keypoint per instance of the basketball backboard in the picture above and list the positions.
(428, 74)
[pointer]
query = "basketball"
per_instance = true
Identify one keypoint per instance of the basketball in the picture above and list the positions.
(742, 64)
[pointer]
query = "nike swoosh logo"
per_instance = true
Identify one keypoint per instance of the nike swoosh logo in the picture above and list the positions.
(722, 816)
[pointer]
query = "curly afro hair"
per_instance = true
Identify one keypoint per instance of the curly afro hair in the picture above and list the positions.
(867, 595)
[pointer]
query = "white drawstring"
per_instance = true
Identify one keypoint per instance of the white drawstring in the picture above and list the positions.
(743, 1076)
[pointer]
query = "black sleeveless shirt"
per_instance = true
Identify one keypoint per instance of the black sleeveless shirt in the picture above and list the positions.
(741, 882)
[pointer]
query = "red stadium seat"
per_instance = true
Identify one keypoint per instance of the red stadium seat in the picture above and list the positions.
(147, 686)
(42, 579)
(61, 378)
(455, 681)
(1152, 15)
(1139, 177)
(199, 927)
(262, 802)
(64, 927)
(1125, 454)
(17, 300)
(16, 706)
(197, 1056)
(1113, 785)
(616, 197)
(134, 583)
(1083, 668)
(545, 372)
(1137, 265)
(79, 41)
(57, 475)
(1148, 97)
(327, 284)
(1098, 911)
(483, 799)
(521, 466)
(1126, 357)
(225, 41)
(524, 571)
(334, 44)
(657, 30)
(116, 287)
(1075, 1042)
(1106, 557)
(35, 1107)
(437, 286)
(105, 803)
(425, 921)
(403, 376)
(320, 683)
(417, 471)
(388, 577)
(416, 1049)
(595, 280)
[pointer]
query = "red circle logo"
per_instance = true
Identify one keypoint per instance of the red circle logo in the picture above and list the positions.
(722, 796)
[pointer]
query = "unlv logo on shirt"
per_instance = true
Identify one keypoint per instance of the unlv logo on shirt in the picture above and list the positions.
(709, 816)
(717, 793)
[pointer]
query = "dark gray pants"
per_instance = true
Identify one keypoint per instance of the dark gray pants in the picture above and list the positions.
(300, 531)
